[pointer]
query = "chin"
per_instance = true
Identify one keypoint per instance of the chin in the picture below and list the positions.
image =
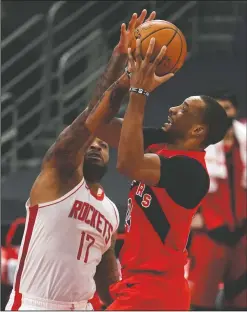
(94, 170)
(94, 161)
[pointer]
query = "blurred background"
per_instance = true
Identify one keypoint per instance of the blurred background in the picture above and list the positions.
(54, 51)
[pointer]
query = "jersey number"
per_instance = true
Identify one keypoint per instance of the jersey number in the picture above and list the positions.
(90, 241)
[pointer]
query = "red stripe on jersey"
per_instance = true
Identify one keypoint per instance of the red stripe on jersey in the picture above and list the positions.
(31, 221)
(17, 302)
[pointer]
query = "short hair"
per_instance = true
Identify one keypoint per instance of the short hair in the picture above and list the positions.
(216, 119)
(224, 95)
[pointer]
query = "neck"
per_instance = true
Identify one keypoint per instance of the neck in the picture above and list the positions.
(94, 187)
(185, 146)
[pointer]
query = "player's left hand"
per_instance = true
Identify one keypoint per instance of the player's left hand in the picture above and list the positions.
(143, 70)
(127, 35)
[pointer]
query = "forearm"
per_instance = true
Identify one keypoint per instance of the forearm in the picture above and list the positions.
(112, 72)
(131, 144)
(108, 106)
(75, 139)
(107, 273)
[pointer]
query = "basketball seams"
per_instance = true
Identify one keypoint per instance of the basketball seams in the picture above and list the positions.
(179, 39)
(181, 49)
(150, 34)
(173, 36)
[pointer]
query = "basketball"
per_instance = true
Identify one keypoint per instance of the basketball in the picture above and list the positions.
(165, 33)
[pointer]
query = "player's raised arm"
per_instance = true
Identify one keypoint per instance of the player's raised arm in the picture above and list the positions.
(131, 159)
(110, 132)
(66, 154)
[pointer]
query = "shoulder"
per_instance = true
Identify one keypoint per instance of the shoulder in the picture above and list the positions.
(114, 209)
(184, 164)
(185, 179)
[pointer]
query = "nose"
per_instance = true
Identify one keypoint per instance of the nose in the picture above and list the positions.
(172, 111)
(95, 146)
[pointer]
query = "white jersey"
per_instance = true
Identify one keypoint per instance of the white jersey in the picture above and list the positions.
(63, 242)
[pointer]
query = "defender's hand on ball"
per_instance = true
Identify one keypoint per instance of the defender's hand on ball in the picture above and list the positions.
(128, 34)
(143, 70)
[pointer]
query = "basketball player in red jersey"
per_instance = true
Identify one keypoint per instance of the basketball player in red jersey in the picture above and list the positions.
(221, 224)
(168, 187)
(70, 221)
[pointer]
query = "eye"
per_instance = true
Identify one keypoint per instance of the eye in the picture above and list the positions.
(103, 145)
(184, 108)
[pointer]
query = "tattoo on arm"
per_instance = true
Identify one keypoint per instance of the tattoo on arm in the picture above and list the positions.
(63, 154)
(108, 105)
(112, 72)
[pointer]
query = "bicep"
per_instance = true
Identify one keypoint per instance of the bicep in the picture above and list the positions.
(185, 180)
(148, 172)
(66, 154)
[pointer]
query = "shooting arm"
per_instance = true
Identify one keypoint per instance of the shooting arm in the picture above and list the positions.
(107, 273)
(131, 159)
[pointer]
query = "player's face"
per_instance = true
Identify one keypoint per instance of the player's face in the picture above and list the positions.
(186, 119)
(98, 152)
(96, 160)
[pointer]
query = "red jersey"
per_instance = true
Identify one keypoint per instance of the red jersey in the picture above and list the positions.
(157, 227)
(227, 206)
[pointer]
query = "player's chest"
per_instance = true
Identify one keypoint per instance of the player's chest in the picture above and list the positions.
(141, 194)
(93, 216)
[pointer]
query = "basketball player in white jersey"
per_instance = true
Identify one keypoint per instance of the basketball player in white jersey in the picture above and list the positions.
(67, 249)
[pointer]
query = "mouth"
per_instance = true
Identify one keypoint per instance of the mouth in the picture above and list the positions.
(94, 155)
(168, 124)
(170, 121)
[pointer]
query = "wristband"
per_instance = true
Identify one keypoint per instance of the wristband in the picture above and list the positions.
(139, 91)
(127, 72)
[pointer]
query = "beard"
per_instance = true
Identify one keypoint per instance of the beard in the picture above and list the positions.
(93, 172)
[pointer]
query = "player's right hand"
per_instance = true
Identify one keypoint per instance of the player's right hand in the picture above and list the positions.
(143, 70)
(127, 35)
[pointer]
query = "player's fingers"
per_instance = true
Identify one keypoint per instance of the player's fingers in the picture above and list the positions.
(131, 62)
(141, 18)
(149, 51)
(159, 57)
(138, 53)
(123, 30)
(164, 78)
(151, 16)
(132, 22)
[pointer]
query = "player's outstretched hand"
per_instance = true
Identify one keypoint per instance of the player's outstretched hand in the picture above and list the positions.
(127, 34)
(143, 70)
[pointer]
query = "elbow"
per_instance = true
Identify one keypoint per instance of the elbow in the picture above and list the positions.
(122, 166)
(126, 169)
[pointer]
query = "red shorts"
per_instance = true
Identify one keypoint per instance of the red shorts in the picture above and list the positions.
(149, 292)
(213, 263)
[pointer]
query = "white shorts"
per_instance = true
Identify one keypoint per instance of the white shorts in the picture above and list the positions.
(38, 304)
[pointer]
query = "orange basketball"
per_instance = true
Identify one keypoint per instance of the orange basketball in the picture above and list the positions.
(165, 33)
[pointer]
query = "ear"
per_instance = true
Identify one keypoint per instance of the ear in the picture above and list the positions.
(198, 130)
